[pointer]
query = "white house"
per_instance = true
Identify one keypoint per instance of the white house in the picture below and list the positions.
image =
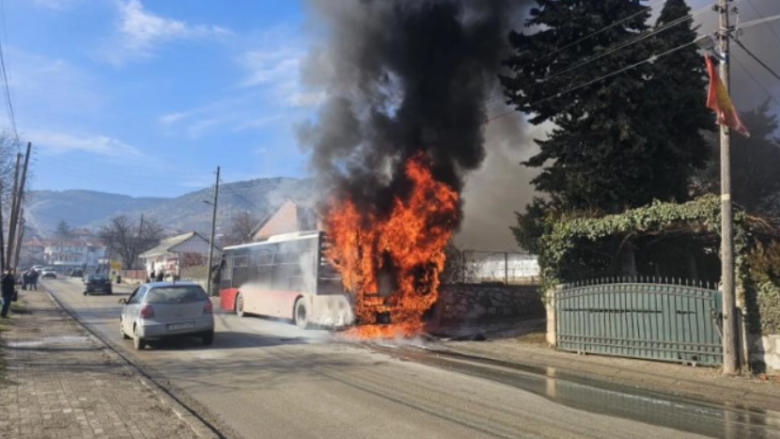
(73, 253)
(177, 252)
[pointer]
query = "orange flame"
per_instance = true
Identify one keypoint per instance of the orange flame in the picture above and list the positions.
(405, 248)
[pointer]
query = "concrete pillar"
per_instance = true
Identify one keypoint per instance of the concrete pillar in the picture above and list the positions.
(549, 304)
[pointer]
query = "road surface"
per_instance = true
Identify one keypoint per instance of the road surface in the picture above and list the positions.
(268, 379)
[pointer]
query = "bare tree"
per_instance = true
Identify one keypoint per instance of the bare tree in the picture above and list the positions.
(241, 227)
(128, 239)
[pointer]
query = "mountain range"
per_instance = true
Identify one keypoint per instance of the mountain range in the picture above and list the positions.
(92, 209)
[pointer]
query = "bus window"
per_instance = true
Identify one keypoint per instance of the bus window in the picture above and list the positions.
(263, 267)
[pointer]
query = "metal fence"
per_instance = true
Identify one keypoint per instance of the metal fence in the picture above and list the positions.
(676, 322)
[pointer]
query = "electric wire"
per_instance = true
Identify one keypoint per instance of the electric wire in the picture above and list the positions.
(601, 78)
(616, 48)
(755, 57)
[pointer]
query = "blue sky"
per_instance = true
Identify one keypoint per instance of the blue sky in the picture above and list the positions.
(147, 97)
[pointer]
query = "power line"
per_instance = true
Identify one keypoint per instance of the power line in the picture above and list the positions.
(7, 91)
(771, 29)
(643, 11)
(619, 47)
(756, 58)
(760, 21)
(601, 78)
(760, 85)
(622, 45)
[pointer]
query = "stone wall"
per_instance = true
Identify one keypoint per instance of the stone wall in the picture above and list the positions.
(486, 302)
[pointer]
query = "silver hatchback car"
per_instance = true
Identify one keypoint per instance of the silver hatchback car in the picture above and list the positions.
(167, 309)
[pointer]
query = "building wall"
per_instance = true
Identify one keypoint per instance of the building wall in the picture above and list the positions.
(285, 220)
(73, 254)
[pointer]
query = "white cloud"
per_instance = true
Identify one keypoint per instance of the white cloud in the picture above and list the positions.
(269, 66)
(141, 31)
(171, 118)
(55, 143)
(277, 71)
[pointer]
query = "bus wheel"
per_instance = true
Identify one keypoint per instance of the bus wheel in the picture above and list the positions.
(301, 314)
(240, 305)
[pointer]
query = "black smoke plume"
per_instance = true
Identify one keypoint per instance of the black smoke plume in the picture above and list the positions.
(401, 77)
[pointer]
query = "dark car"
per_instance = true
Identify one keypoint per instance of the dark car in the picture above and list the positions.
(97, 283)
(77, 272)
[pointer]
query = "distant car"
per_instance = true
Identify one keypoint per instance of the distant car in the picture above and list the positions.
(48, 273)
(97, 282)
(161, 310)
(77, 272)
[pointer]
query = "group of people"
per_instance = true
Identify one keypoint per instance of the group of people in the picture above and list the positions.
(30, 279)
(157, 277)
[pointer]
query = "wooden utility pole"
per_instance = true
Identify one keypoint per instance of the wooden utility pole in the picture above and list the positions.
(16, 206)
(138, 240)
(730, 359)
(19, 238)
(9, 250)
(213, 231)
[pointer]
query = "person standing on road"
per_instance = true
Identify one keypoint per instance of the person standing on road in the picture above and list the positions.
(25, 279)
(160, 276)
(152, 276)
(7, 286)
(34, 279)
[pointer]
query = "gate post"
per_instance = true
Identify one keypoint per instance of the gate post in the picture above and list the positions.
(549, 303)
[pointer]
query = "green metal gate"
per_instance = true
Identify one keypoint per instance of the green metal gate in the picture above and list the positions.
(668, 321)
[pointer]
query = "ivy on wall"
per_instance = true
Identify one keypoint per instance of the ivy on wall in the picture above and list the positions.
(757, 266)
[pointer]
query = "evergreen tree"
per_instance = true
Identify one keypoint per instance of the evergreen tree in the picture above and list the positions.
(63, 231)
(680, 84)
(600, 155)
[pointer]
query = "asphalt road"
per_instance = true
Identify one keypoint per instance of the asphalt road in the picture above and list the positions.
(269, 379)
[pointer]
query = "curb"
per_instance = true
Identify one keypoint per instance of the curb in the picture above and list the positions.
(200, 426)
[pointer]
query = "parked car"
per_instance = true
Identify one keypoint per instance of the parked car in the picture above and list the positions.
(167, 309)
(97, 282)
(48, 272)
(77, 272)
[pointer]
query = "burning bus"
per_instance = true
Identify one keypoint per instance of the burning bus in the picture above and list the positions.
(287, 276)
(381, 272)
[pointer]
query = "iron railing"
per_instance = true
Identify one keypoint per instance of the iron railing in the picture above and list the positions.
(673, 320)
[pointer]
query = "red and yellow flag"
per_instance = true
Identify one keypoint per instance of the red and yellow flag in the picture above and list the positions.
(718, 100)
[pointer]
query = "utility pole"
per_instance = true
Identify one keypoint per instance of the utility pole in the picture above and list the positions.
(138, 240)
(16, 204)
(19, 238)
(20, 198)
(213, 230)
(727, 233)
(12, 215)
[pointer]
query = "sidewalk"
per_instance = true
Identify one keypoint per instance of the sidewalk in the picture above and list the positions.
(59, 381)
(696, 382)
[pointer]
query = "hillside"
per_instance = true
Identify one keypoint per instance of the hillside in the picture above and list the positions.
(92, 209)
